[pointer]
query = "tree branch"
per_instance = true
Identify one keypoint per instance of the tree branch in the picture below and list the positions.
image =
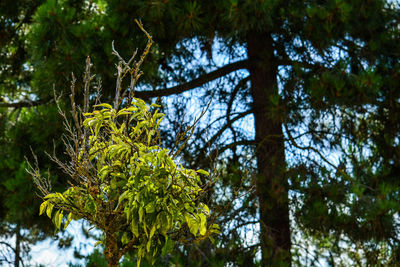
(26, 103)
(7, 245)
(237, 88)
(194, 83)
(226, 126)
(318, 152)
(155, 93)
(219, 133)
(244, 142)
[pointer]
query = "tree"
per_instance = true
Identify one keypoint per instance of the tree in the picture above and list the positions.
(122, 180)
(19, 120)
(319, 79)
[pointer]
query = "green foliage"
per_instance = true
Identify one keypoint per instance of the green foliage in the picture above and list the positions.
(63, 16)
(96, 259)
(123, 181)
(18, 199)
(136, 177)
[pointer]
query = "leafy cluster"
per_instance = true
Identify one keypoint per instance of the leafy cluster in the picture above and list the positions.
(133, 181)
(123, 181)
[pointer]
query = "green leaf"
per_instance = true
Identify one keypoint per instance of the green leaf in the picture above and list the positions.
(75, 217)
(122, 197)
(135, 228)
(140, 214)
(68, 220)
(145, 228)
(148, 138)
(203, 172)
(152, 231)
(113, 183)
(171, 163)
(214, 228)
(108, 106)
(60, 217)
(192, 223)
(150, 208)
(49, 209)
(43, 207)
(61, 196)
(163, 221)
(212, 240)
(203, 224)
(155, 105)
(104, 171)
(123, 112)
(206, 209)
(125, 238)
(52, 195)
(127, 213)
(148, 245)
(188, 207)
(154, 259)
(57, 219)
(90, 205)
(168, 247)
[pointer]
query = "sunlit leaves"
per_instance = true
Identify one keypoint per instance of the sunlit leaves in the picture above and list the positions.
(42, 207)
(135, 180)
(68, 220)
(49, 209)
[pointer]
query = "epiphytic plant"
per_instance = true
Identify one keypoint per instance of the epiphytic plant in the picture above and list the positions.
(121, 180)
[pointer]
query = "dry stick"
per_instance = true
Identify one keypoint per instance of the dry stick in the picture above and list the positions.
(178, 136)
(43, 184)
(74, 153)
(98, 93)
(192, 128)
(73, 106)
(118, 86)
(86, 79)
(121, 72)
(126, 64)
(124, 68)
(137, 74)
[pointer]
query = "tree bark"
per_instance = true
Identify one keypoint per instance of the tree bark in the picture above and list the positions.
(112, 252)
(17, 246)
(271, 183)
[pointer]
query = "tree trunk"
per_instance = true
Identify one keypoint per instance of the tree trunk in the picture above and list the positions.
(112, 252)
(271, 183)
(17, 246)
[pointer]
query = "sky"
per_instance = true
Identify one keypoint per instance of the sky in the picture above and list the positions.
(48, 254)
